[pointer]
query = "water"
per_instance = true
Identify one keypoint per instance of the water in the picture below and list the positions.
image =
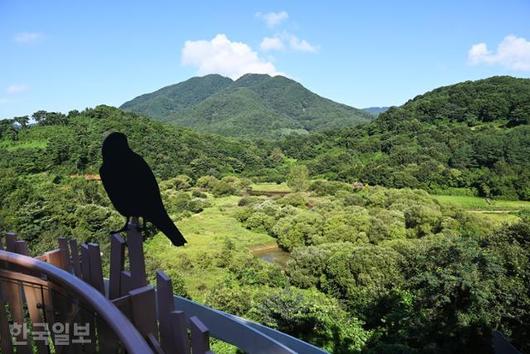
(272, 255)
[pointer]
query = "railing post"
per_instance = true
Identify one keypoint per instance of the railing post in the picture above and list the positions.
(200, 339)
(117, 260)
(136, 256)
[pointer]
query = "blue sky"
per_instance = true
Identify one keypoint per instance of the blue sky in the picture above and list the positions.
(61, 55)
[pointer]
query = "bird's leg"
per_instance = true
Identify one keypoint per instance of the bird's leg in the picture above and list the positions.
(123, 228)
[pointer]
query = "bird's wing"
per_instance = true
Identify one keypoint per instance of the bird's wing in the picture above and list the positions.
(146, 187)
(116, 189)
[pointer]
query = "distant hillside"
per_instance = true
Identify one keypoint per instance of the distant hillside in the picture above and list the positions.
(501, 99)
(71, 144)
(473, 135)
(375, 111)
(254, 105)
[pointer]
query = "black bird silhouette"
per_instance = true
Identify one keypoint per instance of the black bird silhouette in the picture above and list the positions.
(132, 187)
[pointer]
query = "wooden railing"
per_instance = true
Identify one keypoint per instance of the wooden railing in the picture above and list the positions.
(65, 287)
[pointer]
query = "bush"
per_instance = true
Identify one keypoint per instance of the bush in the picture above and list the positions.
(199, 194)
(324, 187)
(298, 230)
(310, 316)
(206, 182)
(294, 199)
(259, 221)
(223, 188)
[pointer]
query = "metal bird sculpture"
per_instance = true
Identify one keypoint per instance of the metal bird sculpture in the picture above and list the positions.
(132, 187)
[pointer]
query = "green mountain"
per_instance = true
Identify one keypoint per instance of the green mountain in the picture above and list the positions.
(501, 99)
(254, 105)
(71, 144)
(167, 101)
(472, 137)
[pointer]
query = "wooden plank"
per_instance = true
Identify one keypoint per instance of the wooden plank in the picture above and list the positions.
(56, 258)
(6, 345)
(11, 239)
(125, 282)
(85, 263)
(154, 344)
(143, 306)
(8, 274)
(124, 304)
(63, 246)
(136, 256)
(179, 331)
(117, 260)
(166, 304)
(74, 252)
(21, 247)
(86, 317)
(12, 293)
(108, 342)
(200, 338)
(34, 301)
(47, 306)
(96, 270)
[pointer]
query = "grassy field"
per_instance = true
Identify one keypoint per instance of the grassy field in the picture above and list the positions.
(31, 144)
(482, 204)
(207, 233)
(497, 211)
(270, 187)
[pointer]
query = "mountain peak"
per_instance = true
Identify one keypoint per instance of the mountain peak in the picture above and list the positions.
(253, 105)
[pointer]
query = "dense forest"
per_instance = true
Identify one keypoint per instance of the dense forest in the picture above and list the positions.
(376, 262)
(448, 139)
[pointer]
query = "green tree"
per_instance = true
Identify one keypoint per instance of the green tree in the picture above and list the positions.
(298, 178)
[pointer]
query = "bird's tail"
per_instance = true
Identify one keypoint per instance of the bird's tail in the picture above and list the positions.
(169, 229)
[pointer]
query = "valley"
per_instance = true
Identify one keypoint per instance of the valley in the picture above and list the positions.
(356, 234)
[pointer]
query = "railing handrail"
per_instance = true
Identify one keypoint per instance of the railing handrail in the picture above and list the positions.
(247, 335)
(120, 324)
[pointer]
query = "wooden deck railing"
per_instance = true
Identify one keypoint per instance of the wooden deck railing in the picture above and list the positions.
(65, 287)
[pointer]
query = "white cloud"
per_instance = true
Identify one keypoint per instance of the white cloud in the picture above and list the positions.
(283, 40)
(27, 37)
(16, 88)
(513, 53)
(301, 44)
(271, 43)
(273, 19)
(222, 56)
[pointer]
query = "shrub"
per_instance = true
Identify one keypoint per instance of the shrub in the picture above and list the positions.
(324, 187)
(294, 199)
(199, 194)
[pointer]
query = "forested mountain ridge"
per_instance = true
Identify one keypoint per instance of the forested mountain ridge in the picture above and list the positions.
(71, 144)
(169, 100)
(256, 105)
(498, 98)
(473, 135)
(404, 147)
